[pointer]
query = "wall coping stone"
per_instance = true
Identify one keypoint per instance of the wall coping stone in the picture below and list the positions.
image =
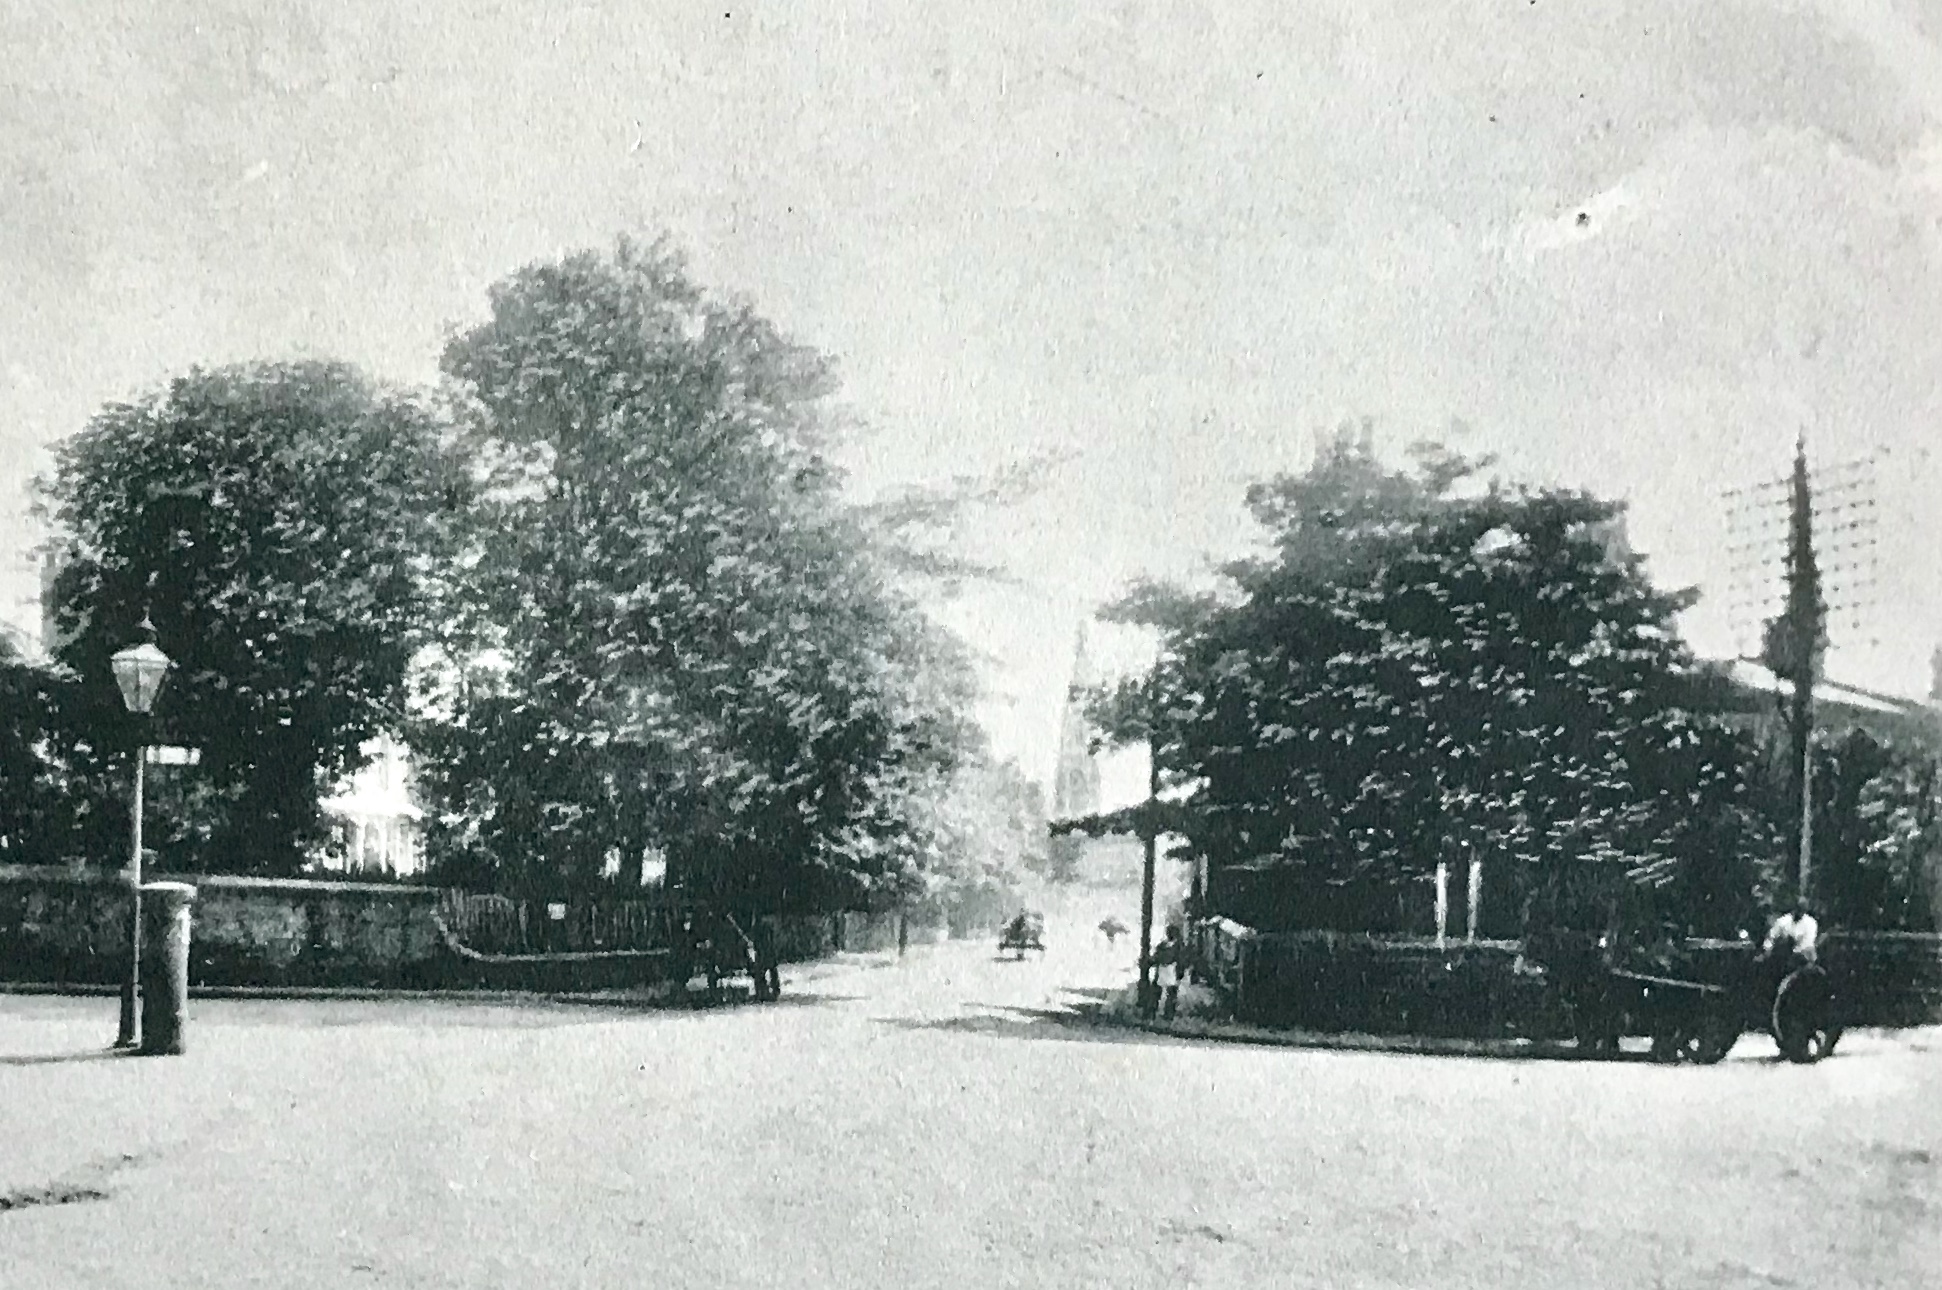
(239, 882)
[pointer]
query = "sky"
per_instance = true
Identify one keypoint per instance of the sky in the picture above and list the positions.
(1635, 246)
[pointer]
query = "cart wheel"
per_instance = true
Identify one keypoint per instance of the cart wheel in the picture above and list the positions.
(1806, 1047)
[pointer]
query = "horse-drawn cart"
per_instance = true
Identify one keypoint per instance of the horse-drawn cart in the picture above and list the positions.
(1025, 932)
(1690, 1015)
(714, 943)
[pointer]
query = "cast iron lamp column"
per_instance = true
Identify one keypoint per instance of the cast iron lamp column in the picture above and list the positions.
(139, 670)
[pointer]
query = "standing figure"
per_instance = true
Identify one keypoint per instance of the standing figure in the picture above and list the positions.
(764, 968)
(1167, 956)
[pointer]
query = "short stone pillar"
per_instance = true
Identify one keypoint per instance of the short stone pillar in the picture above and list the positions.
(166, 921)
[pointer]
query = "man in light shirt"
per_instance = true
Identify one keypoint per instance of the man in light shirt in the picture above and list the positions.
(1797, 932)
(1166, 961)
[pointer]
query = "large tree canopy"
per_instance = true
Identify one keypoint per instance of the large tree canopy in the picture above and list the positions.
(1423, 671)
(685, 641)
(285, 526)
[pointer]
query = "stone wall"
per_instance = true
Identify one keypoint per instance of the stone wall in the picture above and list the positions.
(67, 927)
(62, 926)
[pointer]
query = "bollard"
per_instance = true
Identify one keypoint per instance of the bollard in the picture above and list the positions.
(166, 919)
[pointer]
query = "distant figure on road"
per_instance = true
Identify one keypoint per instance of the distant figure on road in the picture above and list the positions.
(1113, 929)
(1796, 934)
(1166, 960)
(1025, 932)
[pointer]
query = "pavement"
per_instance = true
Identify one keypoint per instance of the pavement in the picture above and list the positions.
(950, 1119)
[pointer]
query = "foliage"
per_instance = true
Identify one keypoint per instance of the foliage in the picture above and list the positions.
(1419, 673)
(1156, 817)
(52, 809)
(283, 524)
(1060, 860)
(982, 828)
(916, 530)
(680, 637)
(1877, 832)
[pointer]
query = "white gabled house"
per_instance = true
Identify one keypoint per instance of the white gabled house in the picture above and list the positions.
(376, 827)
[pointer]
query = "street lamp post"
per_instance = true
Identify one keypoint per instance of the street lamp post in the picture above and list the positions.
(139, 670)
(1149, 847)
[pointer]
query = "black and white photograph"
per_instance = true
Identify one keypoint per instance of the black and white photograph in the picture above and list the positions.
(850, 644)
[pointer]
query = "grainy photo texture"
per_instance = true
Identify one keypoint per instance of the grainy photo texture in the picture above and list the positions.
(843, 644)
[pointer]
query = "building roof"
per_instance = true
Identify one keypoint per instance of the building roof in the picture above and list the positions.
(1754, 675)
(1746, 686)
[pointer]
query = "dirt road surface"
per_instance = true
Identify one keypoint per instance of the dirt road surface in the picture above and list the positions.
(933, 1122)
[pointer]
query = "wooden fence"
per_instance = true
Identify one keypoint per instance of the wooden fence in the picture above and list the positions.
(493, 924)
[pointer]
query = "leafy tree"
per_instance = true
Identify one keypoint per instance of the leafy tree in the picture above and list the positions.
(683, 639)
(1418, 674)
(284, 525)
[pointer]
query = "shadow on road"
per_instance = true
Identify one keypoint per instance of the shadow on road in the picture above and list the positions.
(788, 999)
(62, 1059)
(1087, 1023)
(457, 1012)
(1005, 1022)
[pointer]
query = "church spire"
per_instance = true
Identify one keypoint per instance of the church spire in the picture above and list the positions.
(1075, 787)
(1082, 677)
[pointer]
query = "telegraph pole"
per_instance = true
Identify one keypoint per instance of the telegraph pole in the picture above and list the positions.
(1149, 840)
(1802, 638)
(1788, 606)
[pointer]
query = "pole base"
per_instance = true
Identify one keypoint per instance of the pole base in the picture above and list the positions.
(128, 1033)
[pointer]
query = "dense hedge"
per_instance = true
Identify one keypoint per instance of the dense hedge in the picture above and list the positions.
(1368, 985)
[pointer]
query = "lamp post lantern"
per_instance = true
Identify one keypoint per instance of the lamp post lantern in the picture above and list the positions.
(139, 670)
